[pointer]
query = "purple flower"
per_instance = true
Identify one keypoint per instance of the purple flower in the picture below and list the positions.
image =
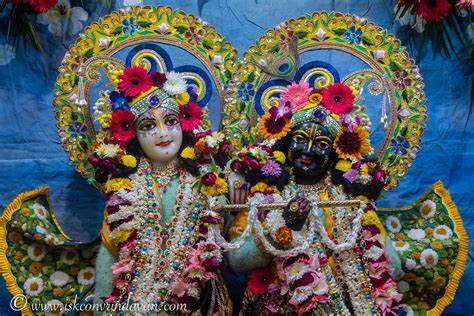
(349, 121)
(271, 168)
(351, 175)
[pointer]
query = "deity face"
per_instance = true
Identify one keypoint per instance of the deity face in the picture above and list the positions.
(159, 135)
(310, 152)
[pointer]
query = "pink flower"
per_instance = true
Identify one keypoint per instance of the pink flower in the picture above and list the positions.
(312, 303)
(297, 94)
(465, 4)
(211, 265)
(124, 265)
(178, 287)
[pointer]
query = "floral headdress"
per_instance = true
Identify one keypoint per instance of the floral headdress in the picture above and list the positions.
(334, 108)
(137, 91)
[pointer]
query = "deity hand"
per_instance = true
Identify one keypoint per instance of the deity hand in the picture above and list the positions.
(239, 188)
(296, 212)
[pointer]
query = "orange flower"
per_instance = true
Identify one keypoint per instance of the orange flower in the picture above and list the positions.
(429, 231)
(284, 236)
(444, 262)
(273, 127)
(58, 292)
(436, 245)
(352, 144)
(200, 145)
(73, 271)
(19, 255)
(35, 267)
(416, 255)
(400, 236)
(422, 306)
(439, 281)
(410, 276)
(15, 237)
(24, 211)
(38, 237)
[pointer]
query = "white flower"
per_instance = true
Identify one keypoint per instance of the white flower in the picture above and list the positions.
(442, 232)
(401, 245)
(403, 286)
(175, 83)
(33, 286)
(429, 258)
(103, 43)
(36, 252)
(59, 278)
(410, 264)
(217, 59)
(86, 276)
(62, 19)
(393, 224)
(69, 256)
(374, 253)
(51, 240)
(428, 209)
(7, 54)
(40, 211)
(54, 307)
(163, 28)
(416, 233)
(131, 3)
(41, 230)
(107, 150)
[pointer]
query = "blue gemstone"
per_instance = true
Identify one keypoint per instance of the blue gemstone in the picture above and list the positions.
(154, 100)
(175, 265)
(194, 216)
(184, 242)
(168, 280)
(318, 114)
(190, 228)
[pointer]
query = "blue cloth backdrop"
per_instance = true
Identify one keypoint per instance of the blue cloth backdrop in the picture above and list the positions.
(31, 155)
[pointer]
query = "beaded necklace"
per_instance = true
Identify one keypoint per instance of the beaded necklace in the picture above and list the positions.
(159, 261)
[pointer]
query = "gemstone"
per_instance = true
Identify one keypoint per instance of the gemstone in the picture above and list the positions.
(163, 291)
(154, 101)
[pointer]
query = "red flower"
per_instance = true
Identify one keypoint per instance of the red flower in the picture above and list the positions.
(134, 81)
(259, 280)
(40, 6)
(190, 116)
(158, 79)
(338, 98)
(122, 125)
(206, 154)
(433, 10)
(209, 179)
(237, 165)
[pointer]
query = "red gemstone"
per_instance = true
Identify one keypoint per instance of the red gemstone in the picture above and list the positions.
(323, 260)
(357, 250)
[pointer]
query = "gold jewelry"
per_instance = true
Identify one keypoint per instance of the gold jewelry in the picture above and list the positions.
(167, 171)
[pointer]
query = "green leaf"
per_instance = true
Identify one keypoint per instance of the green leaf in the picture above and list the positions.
(367, 40)
(301, 34)
(89, 53)
(207, 43)
(395, 66)
(228, 73)
(144, 24)
(116, 31)
(250, 77)
(339, 31)
(181, 29)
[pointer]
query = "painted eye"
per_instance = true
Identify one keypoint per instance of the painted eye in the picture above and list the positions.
(299, 139)
(322, 144)
(171, 121)
(146, 126)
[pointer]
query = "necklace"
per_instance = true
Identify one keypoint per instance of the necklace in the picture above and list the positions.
(161, 258)
(164, 175)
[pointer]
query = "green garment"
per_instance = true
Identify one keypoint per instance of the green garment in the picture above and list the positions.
(105, 259)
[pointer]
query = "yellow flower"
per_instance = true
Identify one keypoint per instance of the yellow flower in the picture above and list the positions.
(439, 281)
(262, 187)
(114, 77)
(315, 98)
(24, 211)
(284, 236)
(121, 236)
(129, 161)
(117, 184)
(15, 237)
(188, 153)
(344, 165)
(35, 267)
(200, 144)
(219, 188)
(279, 156)
(370, 218)
(183, 98)
(355, 144)
(58, 292)
(436, 245)
(104, 120)
(364, 170)
(271, 129)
